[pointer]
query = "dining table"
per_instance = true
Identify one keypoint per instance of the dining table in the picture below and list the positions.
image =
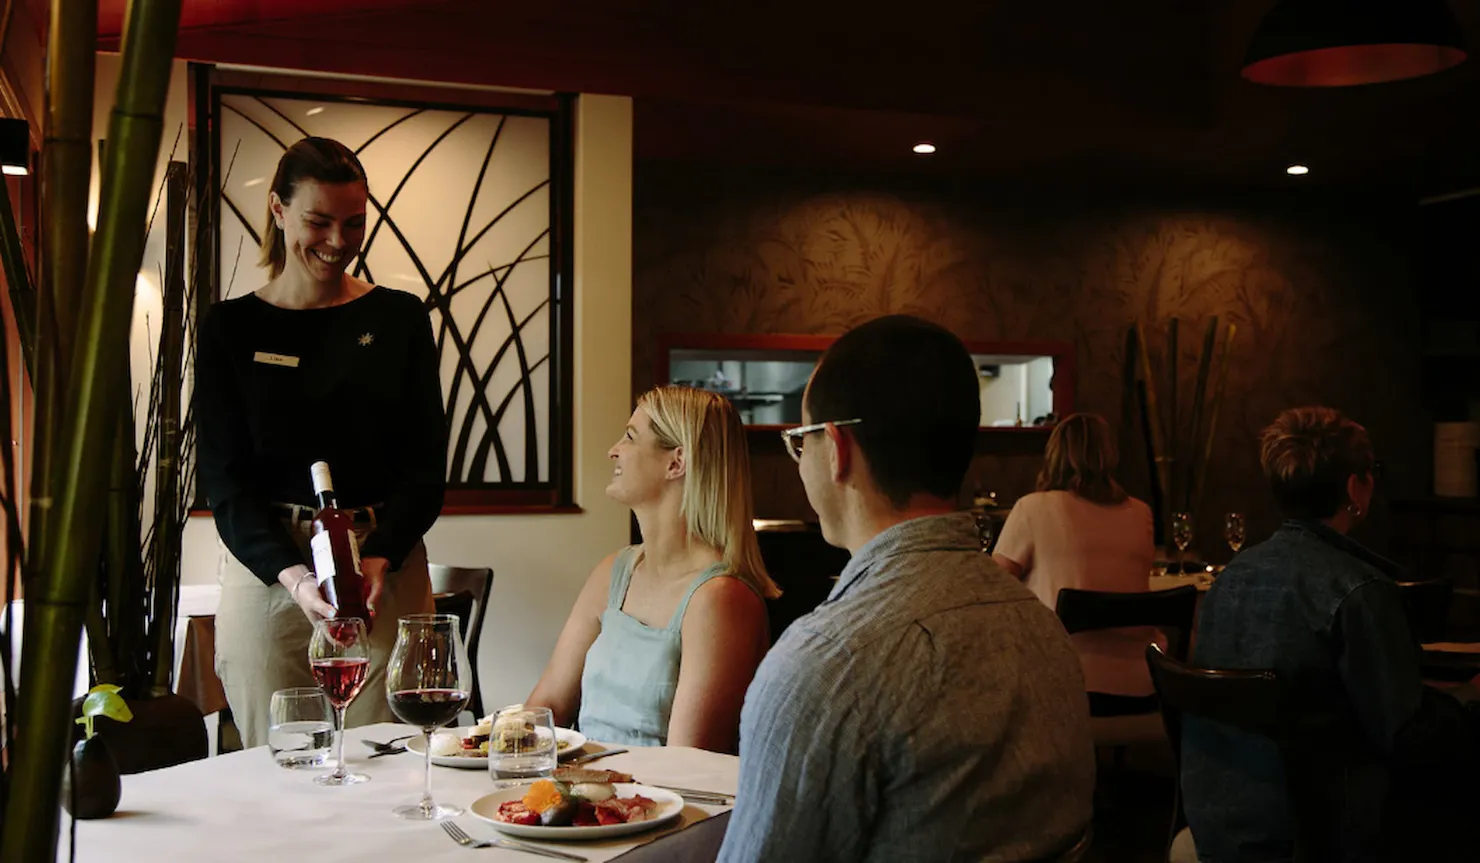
(243, 806)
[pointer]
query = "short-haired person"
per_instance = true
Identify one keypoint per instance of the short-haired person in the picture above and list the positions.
(665, 636)
(1081, 530)
(1324, 613)
(931, 708)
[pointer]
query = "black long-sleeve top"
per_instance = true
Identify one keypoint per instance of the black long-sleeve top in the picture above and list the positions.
(355, 385)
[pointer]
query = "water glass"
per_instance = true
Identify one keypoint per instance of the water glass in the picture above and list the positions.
(300, 727)
(522, 747)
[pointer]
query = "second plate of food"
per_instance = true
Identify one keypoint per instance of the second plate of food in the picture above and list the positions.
(567, 741)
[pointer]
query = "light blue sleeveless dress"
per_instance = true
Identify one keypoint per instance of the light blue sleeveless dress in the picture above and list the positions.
(631, 671)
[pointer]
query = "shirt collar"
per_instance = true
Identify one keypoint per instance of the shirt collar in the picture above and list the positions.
(954, 532)
(1346, 544)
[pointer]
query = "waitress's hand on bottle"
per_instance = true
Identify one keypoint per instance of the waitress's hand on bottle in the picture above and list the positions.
(303, 586)
(374, 570)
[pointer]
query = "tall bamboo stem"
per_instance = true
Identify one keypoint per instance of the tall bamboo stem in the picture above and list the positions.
(66, 169)
(167, 527)
(1204, 365)
(1217, 404)
(57, 595)
(1153, 427)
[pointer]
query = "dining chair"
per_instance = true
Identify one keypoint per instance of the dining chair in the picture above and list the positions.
(1426, 604)
(464, 591)
(1170, 611)
(1254, 701)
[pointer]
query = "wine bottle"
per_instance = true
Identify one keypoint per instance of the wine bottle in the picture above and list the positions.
(336, 552)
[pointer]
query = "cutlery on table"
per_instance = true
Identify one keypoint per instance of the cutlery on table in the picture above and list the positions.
(467, 841)
(711, 798)
(591, 756)
(394, 750)
(389, 745)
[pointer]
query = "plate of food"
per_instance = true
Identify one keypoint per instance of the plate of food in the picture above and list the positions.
(578, 804)
(467, 747)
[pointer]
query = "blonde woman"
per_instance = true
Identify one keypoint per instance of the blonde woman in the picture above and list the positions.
(1081, 530)
(665, 636)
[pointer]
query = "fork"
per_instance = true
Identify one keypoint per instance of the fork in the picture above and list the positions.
(467, 841)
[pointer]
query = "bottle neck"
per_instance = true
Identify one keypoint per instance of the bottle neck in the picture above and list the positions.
(326, 499)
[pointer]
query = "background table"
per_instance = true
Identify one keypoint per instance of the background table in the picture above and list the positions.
(244, 807)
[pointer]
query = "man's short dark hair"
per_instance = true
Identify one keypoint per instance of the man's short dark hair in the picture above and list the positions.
(915, 387)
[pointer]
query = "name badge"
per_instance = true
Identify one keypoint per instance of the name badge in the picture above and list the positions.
(275, 359)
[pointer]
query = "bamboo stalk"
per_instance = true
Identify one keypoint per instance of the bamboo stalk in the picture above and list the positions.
(1204, 364)
(168, 531)
(1217, 403)
(18, 281)
(118, 547)
(56, 596)
(1152, 416)
(1174, 432)
(66, 168)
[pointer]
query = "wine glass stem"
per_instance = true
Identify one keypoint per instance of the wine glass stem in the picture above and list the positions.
(339, 748)
(426, 789)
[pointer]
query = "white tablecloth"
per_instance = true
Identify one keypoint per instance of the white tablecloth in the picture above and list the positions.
(195, 600)
(244, 807)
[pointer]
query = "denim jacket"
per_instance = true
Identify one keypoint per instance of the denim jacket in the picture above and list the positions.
(1325, 613)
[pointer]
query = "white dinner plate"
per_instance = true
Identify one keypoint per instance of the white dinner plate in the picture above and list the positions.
(670, 805)
(574, 740)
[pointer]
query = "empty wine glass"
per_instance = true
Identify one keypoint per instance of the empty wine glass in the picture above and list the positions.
(339, 654)
(1181, 536)
(427, 683)
(1233, 530)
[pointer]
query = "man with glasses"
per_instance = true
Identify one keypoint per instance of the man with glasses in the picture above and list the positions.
(931, 708)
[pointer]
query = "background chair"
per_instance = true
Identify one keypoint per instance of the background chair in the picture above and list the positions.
(1427, 606)
(1254, 701)
(464, 591)
(1170, 611)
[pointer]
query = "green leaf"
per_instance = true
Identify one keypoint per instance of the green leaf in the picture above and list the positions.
(103, 700)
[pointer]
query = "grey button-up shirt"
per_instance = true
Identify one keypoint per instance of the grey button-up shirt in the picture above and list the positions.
(930, 709)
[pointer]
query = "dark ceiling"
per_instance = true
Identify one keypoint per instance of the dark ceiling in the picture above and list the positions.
(1068, 91)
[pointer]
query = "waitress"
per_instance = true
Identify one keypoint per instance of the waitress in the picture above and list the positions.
(315, 365)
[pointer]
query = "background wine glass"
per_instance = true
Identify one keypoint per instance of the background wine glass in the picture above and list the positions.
(339, 654)
(1181, 536)
(1233, 530)
(427, 683)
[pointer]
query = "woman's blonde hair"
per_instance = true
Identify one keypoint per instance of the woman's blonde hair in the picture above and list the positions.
(717, 505)
(1081, 458)
(1308, 454)
(323, 160)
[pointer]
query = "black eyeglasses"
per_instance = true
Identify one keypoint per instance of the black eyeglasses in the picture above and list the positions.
(792, 438)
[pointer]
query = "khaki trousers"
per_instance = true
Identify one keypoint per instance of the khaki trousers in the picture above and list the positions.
(262, 639)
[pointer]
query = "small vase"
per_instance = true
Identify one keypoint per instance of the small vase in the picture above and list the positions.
(98, 787)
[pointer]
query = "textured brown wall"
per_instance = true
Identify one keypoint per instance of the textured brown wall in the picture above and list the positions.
(1321, 294)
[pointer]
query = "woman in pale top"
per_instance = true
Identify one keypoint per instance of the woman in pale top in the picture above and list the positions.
(665, 636)
(1081, 530)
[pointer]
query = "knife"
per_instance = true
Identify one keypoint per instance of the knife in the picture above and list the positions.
(592, 756)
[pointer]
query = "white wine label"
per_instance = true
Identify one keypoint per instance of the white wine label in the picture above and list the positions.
(354, 552)
(323, 556)
(275, 359)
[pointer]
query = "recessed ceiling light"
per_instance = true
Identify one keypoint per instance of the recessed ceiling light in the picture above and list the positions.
(1297, 170)
(316, 110)
(924, 148)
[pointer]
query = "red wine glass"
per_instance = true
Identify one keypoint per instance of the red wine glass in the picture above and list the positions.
(427, 682)
(339, 654)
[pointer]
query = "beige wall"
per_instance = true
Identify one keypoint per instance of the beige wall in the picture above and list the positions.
(540, 562)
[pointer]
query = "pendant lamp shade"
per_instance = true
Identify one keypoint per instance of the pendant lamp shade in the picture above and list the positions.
(1342, 43)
